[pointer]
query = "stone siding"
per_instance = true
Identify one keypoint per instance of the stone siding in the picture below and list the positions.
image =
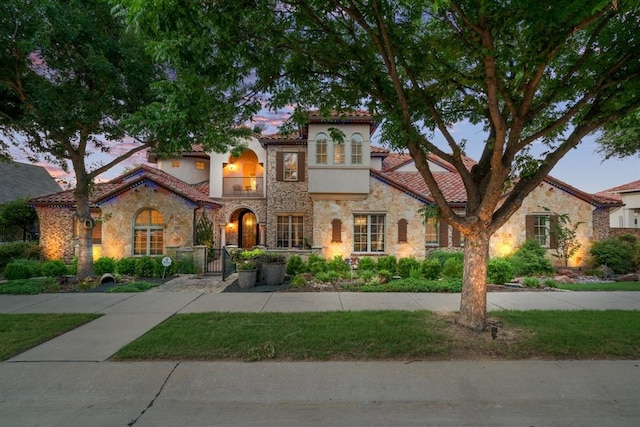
(287, 197)
(56, 233)
(511, 235)
(119, 214)
(617, 232)
(382, 199)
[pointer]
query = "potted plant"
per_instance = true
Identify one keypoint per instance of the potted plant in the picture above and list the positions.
(246, 266)
(274, 267)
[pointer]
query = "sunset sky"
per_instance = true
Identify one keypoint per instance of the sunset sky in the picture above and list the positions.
(582, 167)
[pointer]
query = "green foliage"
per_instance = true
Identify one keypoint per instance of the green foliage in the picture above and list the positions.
(389, 263)
(366, 275)
(54, 268)
(452, 268)
(327, 276)
(617, 254)
(105, 265)
(410, 285)
(18, 213)
(30, 286)
(550, 283)
(298, 281)
(566, 235)
(366, 263)
(131, 287)
(384, 275)
(126, 266)
(443, 256)
(185, 265)
(316, 264)
(144, 266)
(406, 265)
(500, 271)
(431, 269)
(295, 265)
(531, 259)
(338, 264)
(531, 282)
(21, 250)
(22, 269)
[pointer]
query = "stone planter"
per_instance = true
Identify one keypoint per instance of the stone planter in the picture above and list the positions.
(273, 273)
(247, 278)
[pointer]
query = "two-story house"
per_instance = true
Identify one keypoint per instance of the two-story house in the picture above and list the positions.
(303, 191)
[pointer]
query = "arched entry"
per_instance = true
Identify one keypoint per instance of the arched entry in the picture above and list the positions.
(248, 229)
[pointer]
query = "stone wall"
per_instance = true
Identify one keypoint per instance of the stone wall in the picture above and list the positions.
(511, 235)
(119, 214)
(56, 233)
(617, 232)
(287, 198)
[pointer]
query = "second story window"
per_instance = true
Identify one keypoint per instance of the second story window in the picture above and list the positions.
(200, 165)
(321, 149)
(175, 163)
(290, 166)
(356, 149)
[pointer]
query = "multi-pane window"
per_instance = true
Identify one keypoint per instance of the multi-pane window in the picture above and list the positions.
(148, 233)
(289, 231)
(432, 235)
(541, 229)
(290, 167)
(356, 149)
(338, 154)
(200, 165)
(175, 163)
(368, 233)
(321, 149)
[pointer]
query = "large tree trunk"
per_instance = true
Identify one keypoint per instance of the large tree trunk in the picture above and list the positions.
(473, 303)
(85, 230)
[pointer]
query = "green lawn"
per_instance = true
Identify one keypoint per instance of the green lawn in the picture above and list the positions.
(617, 286)
(20, 332)
(29, 286)
(386, 335)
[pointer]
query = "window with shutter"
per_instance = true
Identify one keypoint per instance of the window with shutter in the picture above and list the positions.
(402, 231)
(336, 231)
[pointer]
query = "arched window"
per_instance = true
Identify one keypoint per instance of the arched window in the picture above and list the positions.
(148, 236)
(321, 149)
(356, 149)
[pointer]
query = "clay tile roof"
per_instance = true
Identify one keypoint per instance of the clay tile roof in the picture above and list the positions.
(599, 199)
(631, 186)
(394, 160)
(450, 183)
(105, 191)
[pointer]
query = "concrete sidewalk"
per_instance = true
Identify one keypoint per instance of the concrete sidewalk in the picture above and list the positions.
(128, 316)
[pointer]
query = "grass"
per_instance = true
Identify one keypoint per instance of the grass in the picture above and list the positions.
(616, 286)
(29, 286)
(20, 332)
(132, 287)
(388, 335)
(409, 285)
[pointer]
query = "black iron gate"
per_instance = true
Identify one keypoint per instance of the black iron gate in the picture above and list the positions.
(219, 262)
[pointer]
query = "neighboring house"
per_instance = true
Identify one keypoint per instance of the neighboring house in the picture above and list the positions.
(626, 216)
(304, 192)
(22, 180)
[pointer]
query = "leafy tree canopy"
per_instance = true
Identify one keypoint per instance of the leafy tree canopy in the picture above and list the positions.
(621, 138)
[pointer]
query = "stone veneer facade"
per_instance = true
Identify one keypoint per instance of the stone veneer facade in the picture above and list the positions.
(287, 198)
(56, 230)
(118, 216)
(511, 235)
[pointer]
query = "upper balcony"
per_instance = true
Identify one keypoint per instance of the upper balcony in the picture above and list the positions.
(243, 186)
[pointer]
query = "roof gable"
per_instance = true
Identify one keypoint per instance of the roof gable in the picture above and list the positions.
(21, 180)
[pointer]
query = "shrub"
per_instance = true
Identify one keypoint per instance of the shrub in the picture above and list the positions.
(185, 265)
(389, 263)
(366, 263)
(21, 250)
(385, 275)
(500, 271)
(295, 265)
(531, 282)
(316, 264)
(22, 269)
(126, 266)
(144, 267)
(431, 269)
(452, 268)
(550, 283)
(73, 267)
(327, 276)
(617, 254)
(104, 265)
(338, 264)
(54, 268)
(531, 258)
(298, 281)
(405, 265)
(366, 275)
(443, 256)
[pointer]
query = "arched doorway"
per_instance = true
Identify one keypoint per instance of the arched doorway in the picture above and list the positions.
(248, 229)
